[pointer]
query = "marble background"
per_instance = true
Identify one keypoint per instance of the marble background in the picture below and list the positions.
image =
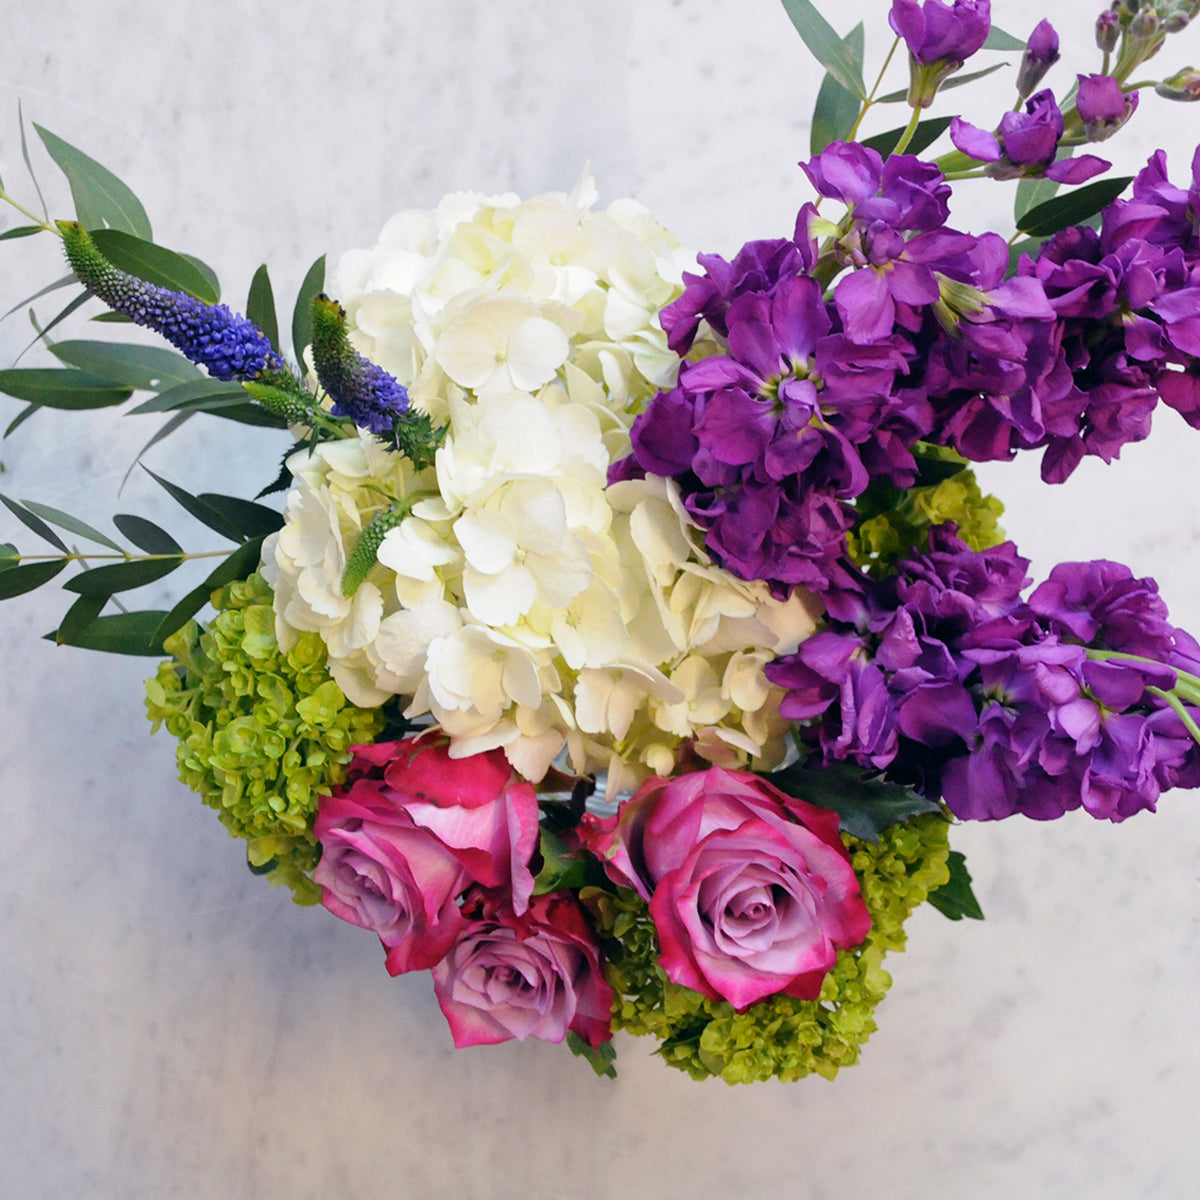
(171, 1027)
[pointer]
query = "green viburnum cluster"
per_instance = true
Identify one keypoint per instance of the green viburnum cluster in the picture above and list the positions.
(262, 734)
(893, 522)
(779, 1036)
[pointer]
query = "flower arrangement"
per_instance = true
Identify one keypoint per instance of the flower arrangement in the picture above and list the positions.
(634, 630)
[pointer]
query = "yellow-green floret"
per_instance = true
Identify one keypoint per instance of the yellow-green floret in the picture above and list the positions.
(780, 1036)
(262, 733)
(894, 522)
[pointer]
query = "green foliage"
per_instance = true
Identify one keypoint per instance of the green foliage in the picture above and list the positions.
(834, 54)
(865, 805)
(156, 264)
(780, 1036)
(1076, 206)
(955, 899)
(314, 280)
(263, 733)
(837, 109)
(600, 1057)
(892, 522)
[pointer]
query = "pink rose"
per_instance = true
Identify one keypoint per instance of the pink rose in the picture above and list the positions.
(751, 891)
(536, 975)
(411, 831)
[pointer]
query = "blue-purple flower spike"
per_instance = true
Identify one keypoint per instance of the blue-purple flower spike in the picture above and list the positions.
(210, 335)
(360, 390)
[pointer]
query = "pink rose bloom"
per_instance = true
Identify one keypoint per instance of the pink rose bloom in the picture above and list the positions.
(751, 891)
(536, 975)
(411, 831)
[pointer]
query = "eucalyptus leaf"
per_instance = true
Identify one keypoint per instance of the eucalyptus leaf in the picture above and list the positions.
(203, 513)
(192, 395)
(1073, 208)
(252, 519)
(928, 132)
(111, 318)
(837, 109)
(15, 581)
(260, 305)
(241, 563)
(21, 418)
(9, 555)
(19, 231)
(163, 432)
(145, 535)
(955, 899)
(76, 303)
(34, 522)
(825, 46)
(78, 617)
(122, 633)
(122, 576)
(955, 81)
(1031, 193)
(126, 363)
(997, 39)
(100, 197)
(867, 806)
(62, 388)
(71, 524)
(314, 281)
(61, 282)
(154, 264)
(37, 187)
(209, 274)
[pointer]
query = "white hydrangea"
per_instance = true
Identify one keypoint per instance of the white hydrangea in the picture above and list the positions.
(521, 603)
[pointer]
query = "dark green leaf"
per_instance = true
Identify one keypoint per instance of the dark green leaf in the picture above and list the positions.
(21, 418)
(63, 313)
(20, 231)
(100, 197)
(14, 581)
(71, 524)
(155, 264)
(78, 617)
(314, 281)
(252, 519)
(1024, 246)
(122, 576)
(837, 109)
(34, 522)
(240, 564)
(165, 431)
(601, 1057)
(867, 806)
(145, 535)
(112, 318)
(203, 513)
(932, 471)
(260, 305)
(562, 865)
(1071, 209)
(825, 46)
(997, 39)
(1032, 192)
(955, 899)
(927, 133)
(125, 363)
(9, 555)
(122, 633)
(955, 81)
(56, 388)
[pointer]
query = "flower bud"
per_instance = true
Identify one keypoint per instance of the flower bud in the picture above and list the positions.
(1145, 27)
(1041, 53)
(1108, 30)
(1183, 85)
(1103, 106)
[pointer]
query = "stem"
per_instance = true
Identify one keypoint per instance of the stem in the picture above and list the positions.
(907, 135)
(38, 221)
(1187, 684)
(870, 100)
(1180, 711)
(76, 556)
(977, 174)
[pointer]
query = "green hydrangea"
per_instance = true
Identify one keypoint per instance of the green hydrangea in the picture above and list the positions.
(780, 1036)
(892, 522)
(262, 734)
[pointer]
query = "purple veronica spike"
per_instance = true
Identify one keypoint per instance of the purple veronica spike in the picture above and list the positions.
(210, 335)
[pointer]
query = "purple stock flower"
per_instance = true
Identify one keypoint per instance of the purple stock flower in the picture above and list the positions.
(1103, 106)
(937, 32)
(1025, 144)
(1041, 53)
